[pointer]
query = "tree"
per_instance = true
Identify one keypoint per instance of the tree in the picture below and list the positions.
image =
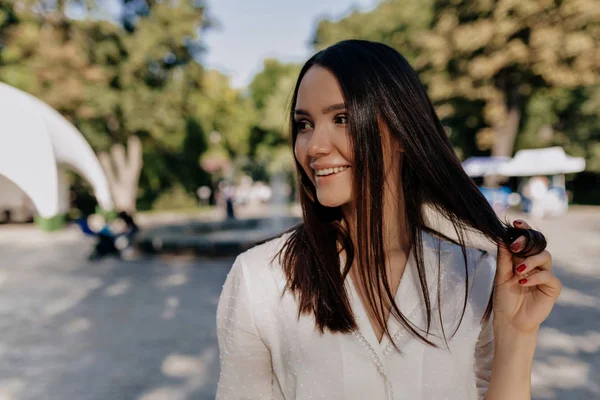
(271, 92)
(393, 22)
(118, 79)
(500, 72)
(503, 53)
(122, 168)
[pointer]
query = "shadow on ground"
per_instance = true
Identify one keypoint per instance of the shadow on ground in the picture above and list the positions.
(567, 361)
(107, 330)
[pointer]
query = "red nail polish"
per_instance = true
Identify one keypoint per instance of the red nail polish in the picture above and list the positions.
(523, 281)
(517, 222)
(521, 268)
(515, 246)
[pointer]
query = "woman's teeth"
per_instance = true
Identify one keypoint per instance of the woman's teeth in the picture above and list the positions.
(330, 171)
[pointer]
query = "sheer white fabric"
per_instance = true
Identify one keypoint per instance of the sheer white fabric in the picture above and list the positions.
(267, 352)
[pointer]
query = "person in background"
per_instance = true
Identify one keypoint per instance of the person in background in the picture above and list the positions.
(115, 238)
(537, 191)
(227, 191)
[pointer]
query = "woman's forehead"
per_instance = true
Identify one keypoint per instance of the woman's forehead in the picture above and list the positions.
(319, 88)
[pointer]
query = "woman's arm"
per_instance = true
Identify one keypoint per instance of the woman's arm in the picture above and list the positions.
(511, 368)
(503, 363)
(246, 370)
(484, 357)
(524, 295)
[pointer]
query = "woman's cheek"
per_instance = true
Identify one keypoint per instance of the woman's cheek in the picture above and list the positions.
(298, 152)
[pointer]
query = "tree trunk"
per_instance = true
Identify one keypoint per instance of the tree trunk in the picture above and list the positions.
(504, 140)
(123, 173)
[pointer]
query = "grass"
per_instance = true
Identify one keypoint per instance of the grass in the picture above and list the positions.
(185, 210)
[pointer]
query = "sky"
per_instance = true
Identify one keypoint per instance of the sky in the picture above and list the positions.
(252, 30)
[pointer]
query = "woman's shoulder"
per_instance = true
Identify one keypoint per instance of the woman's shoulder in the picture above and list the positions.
(477, 250)
(480, 273)
(481, 257)
(265, 254)
(260, 263)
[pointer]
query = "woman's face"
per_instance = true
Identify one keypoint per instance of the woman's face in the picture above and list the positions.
(322, 145)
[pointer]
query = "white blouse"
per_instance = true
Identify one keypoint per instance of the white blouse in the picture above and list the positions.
(268, 352)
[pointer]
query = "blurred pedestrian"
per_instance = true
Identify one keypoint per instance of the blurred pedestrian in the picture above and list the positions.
(227, 197)
(537, 190)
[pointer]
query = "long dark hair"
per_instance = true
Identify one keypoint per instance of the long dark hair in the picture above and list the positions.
(378, 84)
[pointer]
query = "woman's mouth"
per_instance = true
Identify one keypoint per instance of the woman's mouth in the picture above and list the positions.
(328, 172)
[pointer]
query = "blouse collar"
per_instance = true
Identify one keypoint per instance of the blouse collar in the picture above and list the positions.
(409, 297)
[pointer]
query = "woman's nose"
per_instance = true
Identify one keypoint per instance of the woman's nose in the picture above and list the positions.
(319, 143)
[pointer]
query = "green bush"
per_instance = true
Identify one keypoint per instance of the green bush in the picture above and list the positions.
(175, 198)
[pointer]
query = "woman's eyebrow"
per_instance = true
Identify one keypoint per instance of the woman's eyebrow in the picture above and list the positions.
(333, 107)
(325, 110)
(299, 111)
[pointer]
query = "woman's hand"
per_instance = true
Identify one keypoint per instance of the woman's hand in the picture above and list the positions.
(525, 288)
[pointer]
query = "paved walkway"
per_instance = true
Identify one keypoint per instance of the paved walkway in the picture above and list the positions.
(567, 363)
(144, 330)
(75, 330)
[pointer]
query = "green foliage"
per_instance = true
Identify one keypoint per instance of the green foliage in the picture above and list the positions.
(393, 22)
(508, 54)
(113, 81)
(174, 198)
(502, 74)
(267, 81)
(269, 144)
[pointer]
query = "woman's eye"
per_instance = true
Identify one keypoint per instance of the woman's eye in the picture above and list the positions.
(302, 126)
(341, 119)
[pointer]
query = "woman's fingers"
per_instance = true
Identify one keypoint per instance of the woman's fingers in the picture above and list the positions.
(519, 223)
(543, 278)
(519, 242)
(543, 261)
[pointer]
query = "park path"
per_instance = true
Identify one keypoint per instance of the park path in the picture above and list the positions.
(144, 329)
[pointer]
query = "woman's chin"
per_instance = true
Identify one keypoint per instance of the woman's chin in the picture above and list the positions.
(332, 201)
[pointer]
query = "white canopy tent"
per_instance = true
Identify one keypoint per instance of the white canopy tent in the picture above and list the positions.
(483, 166)
(547, 161)
(35, 142)
(535, 165)
(26, 154)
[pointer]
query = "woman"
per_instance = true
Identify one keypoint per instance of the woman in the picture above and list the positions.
(365, 300)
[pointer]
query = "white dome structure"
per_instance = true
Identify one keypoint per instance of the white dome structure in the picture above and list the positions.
(37, 145)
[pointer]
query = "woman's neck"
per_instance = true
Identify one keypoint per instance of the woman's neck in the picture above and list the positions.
(395, 233)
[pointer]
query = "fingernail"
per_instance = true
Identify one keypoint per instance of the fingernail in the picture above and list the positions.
(522, 281)
(518, 222)
(521, 268)
(515, 246)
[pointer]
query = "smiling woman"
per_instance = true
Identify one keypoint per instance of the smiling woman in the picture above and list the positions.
(364, 299)
(321, 120)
